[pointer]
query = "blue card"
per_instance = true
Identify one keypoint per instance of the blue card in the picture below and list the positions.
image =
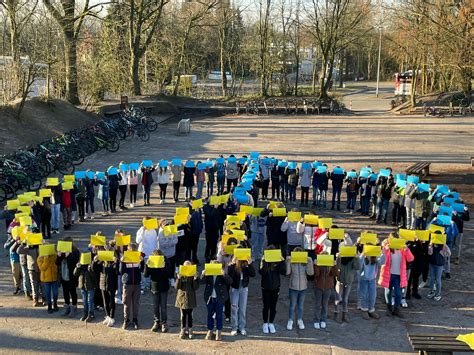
(189, 164)
(100, 175)
(112, 171)
(352, 174)
(444, 220)
(232, 160)
(134, 166)
(305, 166)
(124, 167)
(367, 169)
(402, 183)
(454, 195)
(254, 155)
(201, 166)
(274, 161)
(364, 173)
(282, 164)
(266, 161)
(220, 161)
(373, 177)
(316, 164)
(450, 200)
(80, 174)
(413, 179)
(338, 171)
(176, 162)
(239, 190)
(424, 187)
(254, 166)
(458, 207)
(445, 210)
(292, 165)
(209, 163)
(90, 174)
(321, 169)
(163, 163)
(147, 163)
(400, 177)
(243, 160)
(241, 198)
(442, 189)
(384, 172)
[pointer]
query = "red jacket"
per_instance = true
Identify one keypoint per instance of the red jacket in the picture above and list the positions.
(67, 200)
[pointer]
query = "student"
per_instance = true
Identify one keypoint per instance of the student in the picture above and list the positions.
(131, 279)
(365, 195)
(352, 192)
(87, 282)
(210, 179)
(226, 259)
(275, 236)
(167, 246)
(66, 263)
(163, 180)
(275, 177)
(337, 183)
(416, 268)
(240, 271)
(147, 181)
(293, 177)
(384, 192)
(56, 201)
(257, 231)
(176, 171)
(216, 293)
(186, 287)
(294, 238)
(113, 189)
(410, 191)
(103, 194)
(200, 178)
(422, 208)
(437, 258)
(147, 241)
(80, 199)
(270, 282)
(45, 213)
(305, 181)
(367, 291)
(298, 285)
(321, 183)
(459, 218)
(123, 184)
(211, 223)
(49, 279)
(108, 285)
(393, 275)
(31, 253)
(232, 174)
(14, 261)
(220, 176)
(265, 170)
(25, 278)
(451, 232)
(132, 177)
(90, 195)
(67, 209)
(308, 231)
(188, 181)
(398, 207)
(195, 232)
(283, 181)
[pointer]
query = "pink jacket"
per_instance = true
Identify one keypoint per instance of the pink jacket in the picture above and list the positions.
(384, 278)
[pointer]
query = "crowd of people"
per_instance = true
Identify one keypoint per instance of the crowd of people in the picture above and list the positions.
(279, 240)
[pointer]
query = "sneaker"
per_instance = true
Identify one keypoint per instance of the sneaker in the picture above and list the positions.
(218, 335)
(83, 318)
(132, 205)
(243, 332)
(365, 315)
(156, 327)
(289, 325)
(106, 320)
(17, 291)
(90, 318)
(317, 325)
(126, 324)
(164, 328)
(50, 308)
(323, 325)
(430, 294)
(422, 284)
(404, 303)
(111, 322)
(265, 329)
(190, 334)
(300, 324)
(135, 324)
(118, 301)
(161, 202)
(233, 333)
(210, 335)
(227, 319)
(182, 333)
(173, 283)
(271, 328)
(437, 298)
(374, 315)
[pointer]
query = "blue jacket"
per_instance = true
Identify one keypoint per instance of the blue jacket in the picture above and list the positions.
(451, 232)
(14, 257)
(196, 222)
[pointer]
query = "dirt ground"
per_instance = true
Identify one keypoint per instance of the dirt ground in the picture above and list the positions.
(351, 141)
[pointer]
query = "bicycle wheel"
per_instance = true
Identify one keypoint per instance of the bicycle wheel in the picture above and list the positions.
(151, 125)
(144, 135)
(112, 146)
(6, 192)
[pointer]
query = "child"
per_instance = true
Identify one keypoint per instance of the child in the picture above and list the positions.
(212, 223)
(257, 231)
(167, 246)
(160, 286)
(87, 282)
(352, 191)
(123, 184)
(200, 178)
(210, 179)
(176, 171)
(67, 209)
(196, 230)
(147, 240)
(186, 287)
(49, 279)
(308, 232)
(216, 294)
(293, 177)
(294, 238)
(80, 200)
(45, 213)
(31, 253)
(132, 177)
(220, 176)
(66, 263)
(147, 181)
(437, 258)
(108, 284)
(103, 194)
(14, 262)
(298, 284)
(367, 284)
(188, 181)
(163, 180)
(305, 181)
(225, 260)
(275, 236)
(56, 201)
(114, 181)
(240, 272)
(270, 272)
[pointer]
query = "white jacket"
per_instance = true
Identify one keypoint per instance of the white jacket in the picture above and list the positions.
(164, 178)
(147, 241)
(308, 232)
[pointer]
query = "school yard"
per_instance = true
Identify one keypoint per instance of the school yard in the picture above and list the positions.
(366, 137)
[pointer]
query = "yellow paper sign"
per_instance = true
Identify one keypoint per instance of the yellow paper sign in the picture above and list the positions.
(21, 214)
(299, 257)
(15, 232)
(272, 204)
(438, 238)
(29, 193)
(434, 228)
(232, 226)
(347, 252)
(467, 338)
(279, 212)
(45, 193)
(24, 199)
(71, 178)
(182, 211)
(423, 236)
(212, 269)
(246, 209)
(38, 199)
(86, 259)
(170, 230)
(52, 182)
(242, 253)
(195, 204)
(311, 219)
(46, 249)
(396, 243)
(225, 198)
(131, 257)
(156, 262)
(151, 223)
(229, 249)
(98, 240)
(238, 234)
(272, 256)
(68, 185)
(187, 270)
(294, 216)
(105, 255)
(368, 238)
(407, 234)
(232, 219)
(372, 250)
(325, 223)
(24, 209)
(13, 204)
(26, 221)
(241, 216)
(23, 234)
(181, 219)
(257, 211)
(34, 238)
(64, 247)
(122, 240)
(325, 260)
(215, 200)
(336, 233)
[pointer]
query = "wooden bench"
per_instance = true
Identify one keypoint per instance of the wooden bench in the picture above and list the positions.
(421, 169)
(437, 344)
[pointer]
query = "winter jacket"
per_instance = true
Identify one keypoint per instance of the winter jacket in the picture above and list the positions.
(211, 218)
(337, 181)
(460, 218)
(422, 205)
(114, 181)
(9, 244)
(324, 276)
(410, 190)
(71, 260)
(247, 272)
(257, 224)
(188, 180)
(163, 176)
(31, 253)
(200, 175)
(384, 278)
(67, 200)
(437, 254)
(159, 277)
(176, 171)
(293, 237)
(109, 272)
(210, 174)
(89, 185)
(309, 242)
(370, 271)
(219, 284)
(293, 176)
(57, 195)
(131, 273)
(48, 268)
(275, 236)
(186, 292)
(232, 171)
(320, 180)
(86, 275)
(305, 177)
(147, 176)
(147, 240)
(196, 223)
(347, 270)
(270, 273)
(167, 244)
(298, 273)
(103, 193)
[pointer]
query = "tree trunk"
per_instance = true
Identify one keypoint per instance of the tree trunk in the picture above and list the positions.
(135, 73)
(72, 94)
(223, 73)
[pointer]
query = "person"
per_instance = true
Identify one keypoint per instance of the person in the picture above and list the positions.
(398, 208)
(270, 282)
(365, 195)
(393, 275)
(200, 178)
(352, 191)
(114, 181)
(195, 232)
(14, 261)
(437, 258)
(66, 263)
(232, 172)
(80, 199)
(416, 268)
(103, 193)
(211, 223)
(123, 184)
(226, 259)
(176, 170)
(384, 193)
(163, 180)
(337, 183)
(188, 180)
(410, 191)
(167, 246)
(90, 195)
(451, 232)
(294, 238)
(87, 282)
(422, 208)
(147, 241)
(240, 271)
(308, 231)
(132, 178)
(275, 236)
(45, 215)
(108, 285)
(56, 201)
(459, 218)
(257, 231)
(25, 278)
(66, 207)
(220, 175)
(31, 253)
(186, 287)
(298, 285)
(283, 181)
(293, 176)
(216, 293)
(160, 286)
(147, 181)
(210, 178)
(305, 182)
(49, 279)
(275, 177)
(321, 182)
(131, 279)
(367, 294)
(265, 170)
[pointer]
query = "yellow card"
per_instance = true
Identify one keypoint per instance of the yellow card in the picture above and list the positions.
(68, 185)
(336, 233)
(29, 193)
(215, 200)
(86, 259)
(241, 216)
(187, 270)
(150, 223)
(434, 228)
(26, 221)
(212, 269)
(45, 193)
(407, 234)
(242, 253)
(24, 199)
(279, 212)
(294, 216)
(423, 236)
(372, 250)
(272, 256)
(98, 240)
(13, 204)
(196, 204)
(467, 338)
(105, 255)
(224, 198)
(299, 257)
(71, 178)
(368, 238)
(131, 257)
(325, 223)
(15, 232)
(38, 199)
(52, 182)
(311, 219)
(156, 262)
(438, 238)
(229, 249)
(347, 252)
(170, 230)
(325, 260)
(238, 234)
(21, 214)
(246, 209)
(23, 233)
(272, 204)
(182, 211)
(24, 209)
(34, 239)
(46, 249)
(122, 240)
(396, 243)
(257, 211)
(181, 219)
(232, 219)
(64, 247)
(232, 226)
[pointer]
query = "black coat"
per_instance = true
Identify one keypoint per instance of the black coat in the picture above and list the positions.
(72, 259)
(188, 179)
(109, 272)
(159, 277)
(270, 273)
(274, 234)
(247, 273)
(211, 218)
(131, 275)
(220, 285)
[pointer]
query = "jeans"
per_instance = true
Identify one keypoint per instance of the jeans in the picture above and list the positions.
(88, 301)
(315, 195)
(270, 299)
(90, 204)
(435, 278)
(160, 300)
(420, 223)
(394, 287)
(342, 296)
(200, 186)
(238, 300)
(146, 195)
(257, 241)
(296, 300)
(351, 200)
(220, 185)
(364, 205)
(210, 188)
(275, 189)
(292, 192)
(336, 193)
(188, 192)
(55, 215)
(382, 209)
(322, 198)
(133, 193)
(283, 190)
(367, 294)
(321, 304)
(51, 288)
(304, 195)
(176, 185)
(410, 218)
(25, 279)
(131, 301)
(214, 307)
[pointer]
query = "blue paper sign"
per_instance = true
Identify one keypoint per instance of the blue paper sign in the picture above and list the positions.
(220, 161)
(338, 171)
(147, 163)
(442, 189)
(282, 164)
(400, 177)
(239, 190)
(364, 173)
(266, 161)
(367, 169)
(163, 163)
(274, 161)
(124, 167)
(134, 166)
(292, 165)
(80, 174)
(176, 162)
(454, 195)
(424, 187)
(241, 198)
(402, 183)
(247, 185)
(321, 169)
(316, 164)
(373, 177)
(459, 207)
(352, 174)
(445, 210)
(90, 174)
(232, 160)
(254, 155)
(449, 200)
(209, 163)
(444, 220)
(201, 166)
(100, 175)
(112, 171)
(413, 179)
(243, 160)
(306, 166)
(384, 172)
(189, 164)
